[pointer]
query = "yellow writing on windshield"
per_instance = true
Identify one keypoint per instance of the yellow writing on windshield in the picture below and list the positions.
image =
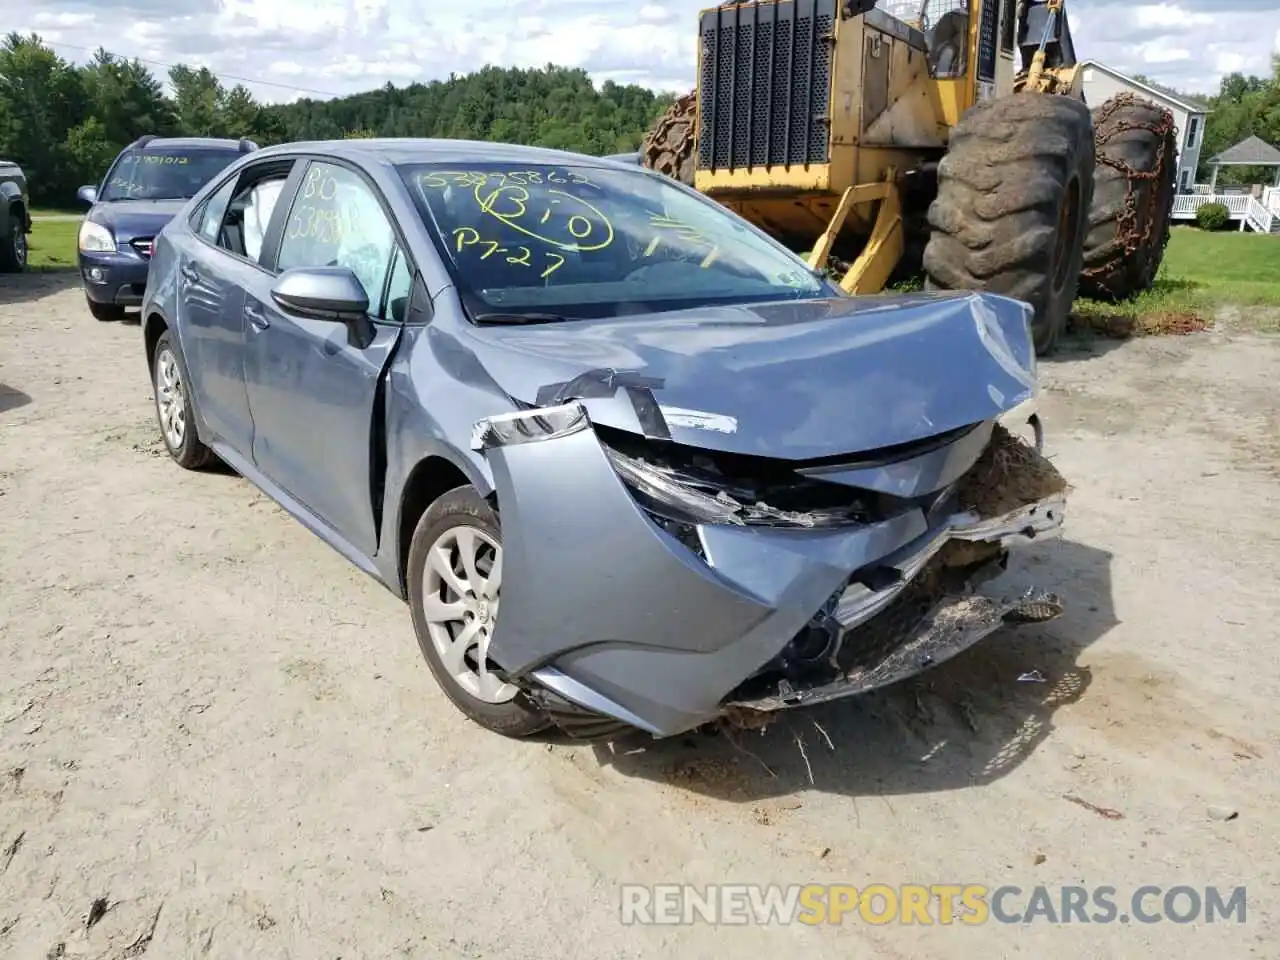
(555, 217)
(686, 232)
(465, 237)
(159, 158)
(439, 179)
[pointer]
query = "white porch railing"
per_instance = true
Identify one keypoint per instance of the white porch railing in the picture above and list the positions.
(1185, 205)
(1271, 199)
(1259, 218)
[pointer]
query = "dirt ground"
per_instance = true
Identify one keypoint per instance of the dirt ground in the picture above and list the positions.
(217, 730)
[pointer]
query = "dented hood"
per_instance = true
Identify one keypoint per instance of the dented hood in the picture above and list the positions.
(796, 380)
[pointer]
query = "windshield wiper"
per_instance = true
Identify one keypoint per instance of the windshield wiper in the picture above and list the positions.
(515, 318)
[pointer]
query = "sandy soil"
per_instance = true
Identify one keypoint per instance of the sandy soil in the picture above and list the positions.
(224, 735)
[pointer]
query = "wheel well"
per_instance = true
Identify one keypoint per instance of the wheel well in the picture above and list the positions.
(151, 334)
(429, 480)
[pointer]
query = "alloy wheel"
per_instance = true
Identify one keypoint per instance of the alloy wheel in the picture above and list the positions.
(460, 595)
(171, 399)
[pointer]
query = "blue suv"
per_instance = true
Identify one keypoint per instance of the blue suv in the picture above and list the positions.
(144, 187)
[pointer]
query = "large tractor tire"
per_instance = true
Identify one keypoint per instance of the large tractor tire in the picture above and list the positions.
(1014, 192)
(1133, 189)
(668, 146)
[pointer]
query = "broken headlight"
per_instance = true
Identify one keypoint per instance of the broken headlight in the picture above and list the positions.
(685, 486)
(668, 497)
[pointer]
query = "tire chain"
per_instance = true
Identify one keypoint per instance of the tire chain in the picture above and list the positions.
(651, 149)
(1127, 227)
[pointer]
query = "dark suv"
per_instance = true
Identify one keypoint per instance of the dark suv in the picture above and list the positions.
(144, 187)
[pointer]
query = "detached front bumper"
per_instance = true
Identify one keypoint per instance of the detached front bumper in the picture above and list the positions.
(611, 610)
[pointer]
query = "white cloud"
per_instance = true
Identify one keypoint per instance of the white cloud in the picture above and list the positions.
(343, 46)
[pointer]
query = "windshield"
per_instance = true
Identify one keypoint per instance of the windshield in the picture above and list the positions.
(583, 242)
(165, 174)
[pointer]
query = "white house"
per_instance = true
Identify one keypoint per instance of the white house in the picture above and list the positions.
(1102, 82)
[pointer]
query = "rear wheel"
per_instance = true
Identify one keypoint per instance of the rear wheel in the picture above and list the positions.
(668, 146)
(455, 581)
(13, 252)
(173, 406)
(105, 312)
(1014, 190)
(1134, 185)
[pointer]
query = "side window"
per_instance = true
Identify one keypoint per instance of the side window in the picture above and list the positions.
(336, 220)
(399, 288)
(213, 210)
(249, 211)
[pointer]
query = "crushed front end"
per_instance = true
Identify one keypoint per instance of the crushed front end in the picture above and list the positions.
(663, 586)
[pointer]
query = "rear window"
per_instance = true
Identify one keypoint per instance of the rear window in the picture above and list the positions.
(170, 173)
(595, 241)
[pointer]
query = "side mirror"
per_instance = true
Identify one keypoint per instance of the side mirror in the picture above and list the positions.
(324, 293)
(88, 194)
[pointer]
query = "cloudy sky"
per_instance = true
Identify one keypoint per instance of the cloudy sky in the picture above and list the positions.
(316, 47)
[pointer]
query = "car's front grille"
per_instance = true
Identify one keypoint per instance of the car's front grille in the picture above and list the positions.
(143, 245)
(765, 90)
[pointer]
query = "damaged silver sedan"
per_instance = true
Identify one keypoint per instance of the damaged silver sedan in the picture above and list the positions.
(630, 462)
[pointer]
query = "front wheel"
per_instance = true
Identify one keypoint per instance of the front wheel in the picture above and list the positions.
(1014, 192)
(105, 312)
(455, 581)
(13, 252)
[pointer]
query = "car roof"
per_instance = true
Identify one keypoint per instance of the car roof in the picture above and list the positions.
(397, 150)
(180, 142)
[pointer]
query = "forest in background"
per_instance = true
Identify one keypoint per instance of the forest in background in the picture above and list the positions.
(64, 122)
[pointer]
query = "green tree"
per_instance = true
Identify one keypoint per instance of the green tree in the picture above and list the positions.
(45, 98)
(197, 96)
(127, 99)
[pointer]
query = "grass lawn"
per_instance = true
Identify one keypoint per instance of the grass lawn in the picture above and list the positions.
(52, 245)
(1201, 271)
(38, 212)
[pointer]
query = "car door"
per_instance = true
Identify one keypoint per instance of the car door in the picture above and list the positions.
(215, 263)
(313, 383)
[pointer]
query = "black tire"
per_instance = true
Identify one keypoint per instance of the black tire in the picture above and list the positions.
(463, 507)
(105, 312)
(668, 146)
(1133, 189)
(1014, 192)
(190, 453)
(13, 251)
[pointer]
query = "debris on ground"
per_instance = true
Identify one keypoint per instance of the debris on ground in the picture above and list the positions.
(1122, 326)
(1105, 812)
(11, 851)
(97, 910)
(1218, 812)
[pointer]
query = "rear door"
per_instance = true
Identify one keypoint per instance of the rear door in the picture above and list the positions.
(312, 383)
(216, 263)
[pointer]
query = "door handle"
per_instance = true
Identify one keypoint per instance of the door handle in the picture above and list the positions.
(189, 273)
(254, 313)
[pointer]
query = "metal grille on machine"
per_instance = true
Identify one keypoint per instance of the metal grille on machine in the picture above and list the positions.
(988, 27)
(765, 90)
